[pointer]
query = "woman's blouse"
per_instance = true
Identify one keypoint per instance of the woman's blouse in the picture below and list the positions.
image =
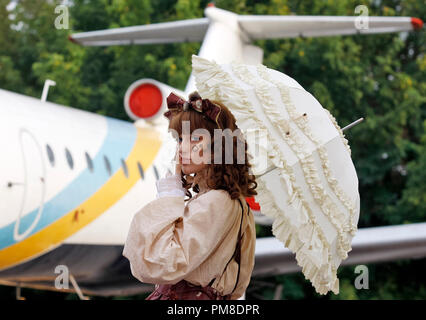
(170, 240)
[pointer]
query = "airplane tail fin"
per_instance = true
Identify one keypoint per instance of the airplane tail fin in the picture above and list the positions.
(252, 27)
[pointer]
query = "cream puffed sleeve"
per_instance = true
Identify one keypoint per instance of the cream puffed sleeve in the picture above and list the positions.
(168, 240)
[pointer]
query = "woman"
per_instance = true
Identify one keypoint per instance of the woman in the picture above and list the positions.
(202, 247)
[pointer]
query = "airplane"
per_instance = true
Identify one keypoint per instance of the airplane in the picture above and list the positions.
(72, 180)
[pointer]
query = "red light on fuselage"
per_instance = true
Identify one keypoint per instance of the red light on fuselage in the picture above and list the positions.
(145, 100)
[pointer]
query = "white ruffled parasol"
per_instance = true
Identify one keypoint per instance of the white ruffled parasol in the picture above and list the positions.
(310, 188)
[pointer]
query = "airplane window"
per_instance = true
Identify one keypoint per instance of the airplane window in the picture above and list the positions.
(123, 164)
(89, 162)
(140, 170)
(50, 155)
(156, 173)
(69, 158)
(107, 165)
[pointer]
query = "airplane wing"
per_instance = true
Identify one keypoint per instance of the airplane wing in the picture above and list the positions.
(274, 27)
(190, 30)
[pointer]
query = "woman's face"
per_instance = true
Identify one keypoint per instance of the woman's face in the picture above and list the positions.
(192, 152)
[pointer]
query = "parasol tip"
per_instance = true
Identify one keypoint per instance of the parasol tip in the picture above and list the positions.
(353, 124)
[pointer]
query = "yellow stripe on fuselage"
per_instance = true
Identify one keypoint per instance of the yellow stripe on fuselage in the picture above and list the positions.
(144, 150)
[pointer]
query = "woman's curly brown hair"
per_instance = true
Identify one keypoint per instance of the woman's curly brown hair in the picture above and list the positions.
(235, 178)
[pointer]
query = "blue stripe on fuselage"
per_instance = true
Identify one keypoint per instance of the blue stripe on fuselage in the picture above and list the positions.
(118, 143)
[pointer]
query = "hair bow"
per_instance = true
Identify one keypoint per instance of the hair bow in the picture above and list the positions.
(210, 109)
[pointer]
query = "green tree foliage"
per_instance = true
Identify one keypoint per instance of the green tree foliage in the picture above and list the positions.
(380, 77)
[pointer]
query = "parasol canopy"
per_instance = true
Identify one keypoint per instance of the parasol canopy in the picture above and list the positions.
(307, 182)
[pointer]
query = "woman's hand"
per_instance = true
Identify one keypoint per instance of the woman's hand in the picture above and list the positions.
(178, 159)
